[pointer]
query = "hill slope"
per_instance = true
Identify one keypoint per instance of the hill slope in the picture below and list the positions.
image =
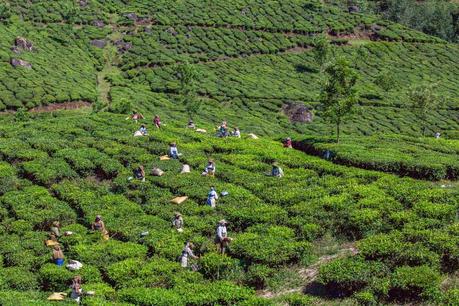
(255, 64)
(249, 55)
(85, 171)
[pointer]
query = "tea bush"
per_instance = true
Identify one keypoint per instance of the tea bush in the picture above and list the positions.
(252, 58)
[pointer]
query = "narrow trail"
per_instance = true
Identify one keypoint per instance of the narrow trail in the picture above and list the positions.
(309, 274)
(103, 87)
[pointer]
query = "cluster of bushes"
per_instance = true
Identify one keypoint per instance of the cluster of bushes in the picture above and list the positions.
(425, 158)
(236, 78)
(397, 267)
(273, 225)
(62, 67)
(159, 45)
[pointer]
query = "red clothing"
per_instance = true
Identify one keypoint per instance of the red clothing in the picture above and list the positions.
(288, 143)
(157, 121)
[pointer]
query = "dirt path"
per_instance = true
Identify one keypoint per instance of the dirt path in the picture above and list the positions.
(60, 106)
(309, 274)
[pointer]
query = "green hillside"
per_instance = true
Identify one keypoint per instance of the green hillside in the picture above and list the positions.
(374, 223)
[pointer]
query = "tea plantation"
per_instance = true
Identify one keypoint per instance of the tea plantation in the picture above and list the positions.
(371, 220)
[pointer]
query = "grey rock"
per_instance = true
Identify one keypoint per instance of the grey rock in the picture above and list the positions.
(98, 23)
(353, 9)
(99, 43)
(20, 63)
(23, 44)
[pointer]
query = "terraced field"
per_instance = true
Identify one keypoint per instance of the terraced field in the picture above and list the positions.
(374, 224)
(275, 223)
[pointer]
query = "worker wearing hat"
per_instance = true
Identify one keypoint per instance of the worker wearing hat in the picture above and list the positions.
(177, 223)
(222, 238)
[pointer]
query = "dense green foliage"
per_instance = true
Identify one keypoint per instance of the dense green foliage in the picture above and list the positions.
(423, 158)
(243, 61)
(434, 17)
(273, 225)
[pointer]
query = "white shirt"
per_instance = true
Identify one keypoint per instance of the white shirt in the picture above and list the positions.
(187, 251)
(221, 232)
(173, 150)
(212, 195)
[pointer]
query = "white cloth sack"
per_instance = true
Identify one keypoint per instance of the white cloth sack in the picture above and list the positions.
(186, 168)
(157, 172)
(74, 265)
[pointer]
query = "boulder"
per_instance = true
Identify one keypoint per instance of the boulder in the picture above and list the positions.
(122, 46)
(83, 3)
(16, 50)
(24, 44)
(172, 31)
(20, 63)
(132, 16)
(353, 9)
(98, 43)
(297, 112)
(376, 28)
(98, 23)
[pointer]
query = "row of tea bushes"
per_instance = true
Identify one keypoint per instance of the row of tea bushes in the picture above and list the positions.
(274, 226)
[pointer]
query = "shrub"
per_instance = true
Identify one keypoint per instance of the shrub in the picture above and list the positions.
(216, 266)
(17, 278)
(365, 298)
(273, 246)
(451, 297)
(414, 283)
(58, 278)
(105, 253)
(351, 274)
(151, 296)
(35, 205)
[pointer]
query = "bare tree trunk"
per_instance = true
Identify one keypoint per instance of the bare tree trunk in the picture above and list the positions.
(337, 131)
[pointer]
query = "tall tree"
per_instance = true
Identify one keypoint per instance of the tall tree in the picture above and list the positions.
(424, 100)
(338, 95)
(322, 49)
(187, 75)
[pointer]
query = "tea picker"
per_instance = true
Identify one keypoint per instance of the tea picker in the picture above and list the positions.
(191, 124)
(58, 255)
(99, 225)
(138, 173)
(142, 131)
(210, 168)
(135, 116)
(222, 238)
(276, 171)
(173, 151)
(223, 130)
(178, 223)
(288, 143)
(157, 121)
(212, 197)
(55, 232)
(236, 133)
(187, 252)
(77, 291)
